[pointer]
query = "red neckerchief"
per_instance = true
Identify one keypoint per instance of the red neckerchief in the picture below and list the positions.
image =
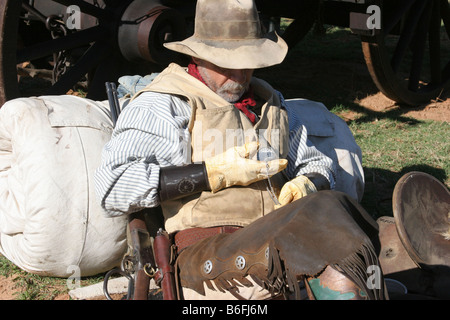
(247, 98)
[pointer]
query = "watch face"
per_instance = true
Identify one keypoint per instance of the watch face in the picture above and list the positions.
(185, 186)
(266, 154)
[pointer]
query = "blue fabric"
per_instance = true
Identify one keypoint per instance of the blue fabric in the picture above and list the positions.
(132, 84)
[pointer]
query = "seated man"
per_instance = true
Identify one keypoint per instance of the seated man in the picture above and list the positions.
(211, 145)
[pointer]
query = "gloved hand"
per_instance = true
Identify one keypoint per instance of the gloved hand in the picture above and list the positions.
(294, 190)
(235, 167)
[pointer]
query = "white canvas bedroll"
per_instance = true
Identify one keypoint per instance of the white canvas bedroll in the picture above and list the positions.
(51, 222)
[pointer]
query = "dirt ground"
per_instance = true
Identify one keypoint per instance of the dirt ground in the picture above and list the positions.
(436, 110)
(7, 288)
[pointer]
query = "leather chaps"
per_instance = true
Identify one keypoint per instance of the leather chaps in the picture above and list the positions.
(295, 242)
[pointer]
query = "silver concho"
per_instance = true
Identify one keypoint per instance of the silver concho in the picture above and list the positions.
(207, 266)
(240, 262)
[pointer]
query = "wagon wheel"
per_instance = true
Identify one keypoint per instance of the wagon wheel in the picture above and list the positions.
(409, 60)
(302, 13)
(64, 56)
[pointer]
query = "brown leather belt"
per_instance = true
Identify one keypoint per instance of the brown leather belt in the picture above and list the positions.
(185, 238)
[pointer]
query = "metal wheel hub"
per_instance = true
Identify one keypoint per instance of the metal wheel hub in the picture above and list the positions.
(144, 27)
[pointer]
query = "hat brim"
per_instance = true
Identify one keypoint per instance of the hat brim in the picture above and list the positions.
(235, 54)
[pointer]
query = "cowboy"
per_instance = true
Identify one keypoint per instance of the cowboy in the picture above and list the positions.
(239, 191)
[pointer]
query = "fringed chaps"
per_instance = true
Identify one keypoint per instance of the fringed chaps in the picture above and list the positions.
(299, 240)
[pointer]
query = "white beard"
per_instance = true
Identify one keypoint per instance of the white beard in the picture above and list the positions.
(230, 91)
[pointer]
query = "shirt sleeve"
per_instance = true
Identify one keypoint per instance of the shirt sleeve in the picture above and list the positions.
(304, 157)
(151, 132)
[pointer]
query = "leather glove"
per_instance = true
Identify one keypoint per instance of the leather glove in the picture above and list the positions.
(294, 190)
(235, 167)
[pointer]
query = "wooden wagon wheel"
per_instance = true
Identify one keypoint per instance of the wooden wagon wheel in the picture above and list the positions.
(93, 49)
(303, 14)
(409, 59)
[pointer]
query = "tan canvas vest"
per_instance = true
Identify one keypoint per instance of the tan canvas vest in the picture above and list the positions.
(215, 126)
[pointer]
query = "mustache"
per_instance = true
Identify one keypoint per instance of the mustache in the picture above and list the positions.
(232, 91)
(235, 87)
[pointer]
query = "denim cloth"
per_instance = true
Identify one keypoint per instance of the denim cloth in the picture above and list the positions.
(129, 85)
(331, 135)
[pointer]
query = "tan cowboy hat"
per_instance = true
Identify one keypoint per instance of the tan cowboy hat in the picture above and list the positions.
(228, 34)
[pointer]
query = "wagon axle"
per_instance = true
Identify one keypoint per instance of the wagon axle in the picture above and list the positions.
(114, 38)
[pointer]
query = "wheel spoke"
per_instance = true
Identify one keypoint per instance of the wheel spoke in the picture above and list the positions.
(435, 44)
(446, 72)
(407, 34)
(418, 48)
(34, 12)
(86, 8)
(70, 41)
(445, 14)
(91, 58)
(399, 12)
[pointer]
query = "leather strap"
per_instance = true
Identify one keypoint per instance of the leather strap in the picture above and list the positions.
(185, 238)
(161, 247)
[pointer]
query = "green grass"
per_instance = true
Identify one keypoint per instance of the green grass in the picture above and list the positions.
(394, 145)
(30, 286)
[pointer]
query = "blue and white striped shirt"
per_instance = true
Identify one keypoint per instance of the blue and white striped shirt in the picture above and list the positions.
(152, 132)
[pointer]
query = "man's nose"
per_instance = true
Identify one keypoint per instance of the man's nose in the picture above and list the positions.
(237, 75)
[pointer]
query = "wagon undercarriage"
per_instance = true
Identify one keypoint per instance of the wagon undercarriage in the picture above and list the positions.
(406, 51)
